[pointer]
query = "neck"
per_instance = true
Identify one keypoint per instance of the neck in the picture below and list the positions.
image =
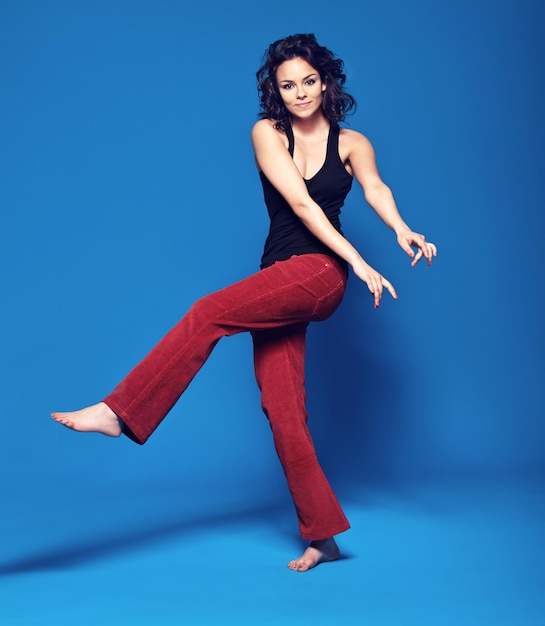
(310, 126)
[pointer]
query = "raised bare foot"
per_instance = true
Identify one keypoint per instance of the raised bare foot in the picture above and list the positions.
(317, 552)
(98, 418)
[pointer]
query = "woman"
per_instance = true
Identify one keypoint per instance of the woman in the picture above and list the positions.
(306, 164)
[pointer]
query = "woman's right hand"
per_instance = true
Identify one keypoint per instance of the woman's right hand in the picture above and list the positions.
(374, 280)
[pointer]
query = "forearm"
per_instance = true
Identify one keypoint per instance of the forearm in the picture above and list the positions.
(381, 200)
(313, 217)
(316, 221)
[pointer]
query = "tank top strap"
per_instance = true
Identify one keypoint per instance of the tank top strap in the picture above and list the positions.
(291, 139)
(333, 141)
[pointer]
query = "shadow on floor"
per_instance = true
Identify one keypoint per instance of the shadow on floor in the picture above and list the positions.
(112, 541)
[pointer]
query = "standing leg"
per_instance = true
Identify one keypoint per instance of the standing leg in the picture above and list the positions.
(279, 355)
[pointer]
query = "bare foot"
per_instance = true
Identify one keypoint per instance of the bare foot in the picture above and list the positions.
(317, 552)
(98, 418)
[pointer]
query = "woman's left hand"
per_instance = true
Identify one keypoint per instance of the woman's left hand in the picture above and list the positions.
(407, 239)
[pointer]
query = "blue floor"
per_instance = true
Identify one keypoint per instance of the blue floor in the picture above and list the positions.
(452, 552)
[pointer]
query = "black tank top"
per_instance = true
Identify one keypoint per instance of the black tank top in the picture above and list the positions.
(328, 188)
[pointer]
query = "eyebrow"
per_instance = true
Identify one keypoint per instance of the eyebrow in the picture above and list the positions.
(289, 80)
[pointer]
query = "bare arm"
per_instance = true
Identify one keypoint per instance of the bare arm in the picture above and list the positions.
(276, 163)
(378, 195)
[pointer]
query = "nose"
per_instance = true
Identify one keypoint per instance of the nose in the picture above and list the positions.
(301, 93)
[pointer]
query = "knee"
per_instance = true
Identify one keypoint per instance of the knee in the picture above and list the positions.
(203, 308)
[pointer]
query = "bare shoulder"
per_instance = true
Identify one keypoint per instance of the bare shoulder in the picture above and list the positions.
(351, 141)
(358, 156)
(264, 130)
(263, 125)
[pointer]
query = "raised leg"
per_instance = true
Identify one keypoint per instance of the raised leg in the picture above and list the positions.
(301, 289)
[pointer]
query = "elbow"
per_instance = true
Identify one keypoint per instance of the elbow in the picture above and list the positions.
(375, 193)
(302, 208)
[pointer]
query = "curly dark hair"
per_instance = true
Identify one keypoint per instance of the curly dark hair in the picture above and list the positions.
(336, 102)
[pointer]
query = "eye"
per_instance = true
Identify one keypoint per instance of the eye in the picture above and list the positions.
(311, 81)
(287, 86)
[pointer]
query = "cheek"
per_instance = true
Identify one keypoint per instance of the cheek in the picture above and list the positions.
(284, 95)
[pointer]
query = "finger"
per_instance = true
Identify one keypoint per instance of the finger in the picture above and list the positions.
(427, 252)
(417, 258)
(390, 288)
(380, 281)
(406, 246)
(376, 289)
(432, 251)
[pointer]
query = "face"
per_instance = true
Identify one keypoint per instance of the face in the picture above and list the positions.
(300, 87)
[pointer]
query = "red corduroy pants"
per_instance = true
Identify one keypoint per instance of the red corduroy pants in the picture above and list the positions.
(275, 305)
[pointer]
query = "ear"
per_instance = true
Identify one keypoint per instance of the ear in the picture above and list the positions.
(323, 86)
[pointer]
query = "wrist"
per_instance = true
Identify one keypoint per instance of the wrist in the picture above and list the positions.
(356, 260)
(401, 229)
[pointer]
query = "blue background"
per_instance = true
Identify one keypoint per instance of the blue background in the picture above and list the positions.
(128, 190)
